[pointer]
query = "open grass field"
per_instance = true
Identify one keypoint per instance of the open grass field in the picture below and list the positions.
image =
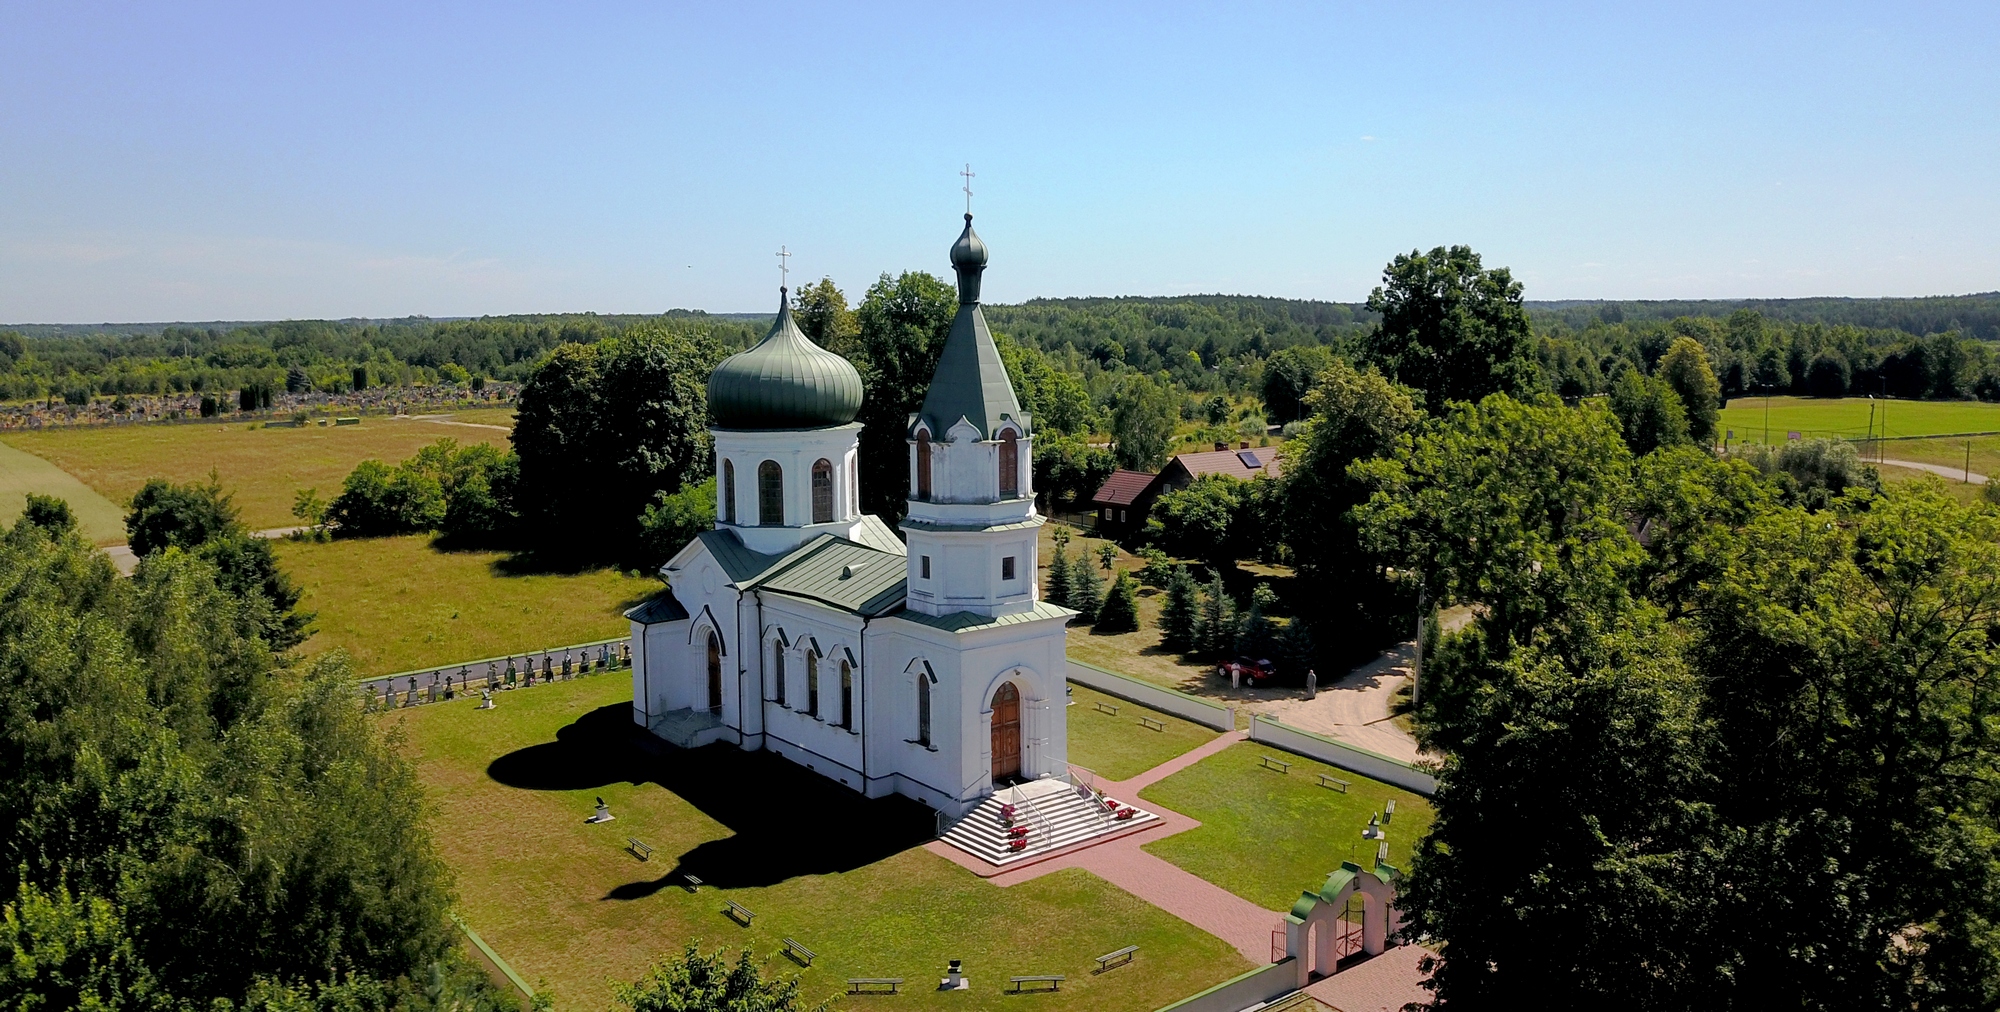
(102, 521)
(1115, 746)
(399, 603)
(261, 467)
(1265, 836)
(1847, 417)
(566, 904)
(1137, 654)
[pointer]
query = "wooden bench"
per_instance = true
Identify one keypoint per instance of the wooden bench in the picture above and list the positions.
(1053, 980)
(1274, 764)
(639, 850)
(1152, 725)
(692, 883)
(739, 913)
(857, 985)
(799, 952)
(1119, 958)
(1388, 811)
(1104, 707)
(1328, 780)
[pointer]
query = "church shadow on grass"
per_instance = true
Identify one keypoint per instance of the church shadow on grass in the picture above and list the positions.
(785, 820)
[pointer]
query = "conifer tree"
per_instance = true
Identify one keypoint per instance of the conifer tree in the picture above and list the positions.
(1086, 590)
(1121, 606)
(1181, 612)
(1256, 634)
(1215, 630)
(1058, 582)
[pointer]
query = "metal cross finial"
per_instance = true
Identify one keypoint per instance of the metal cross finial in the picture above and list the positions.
(784, 267)
(968, 174)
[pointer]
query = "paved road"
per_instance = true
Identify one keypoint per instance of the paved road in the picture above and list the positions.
(1954, 473)
(127, 561)
(447, 420)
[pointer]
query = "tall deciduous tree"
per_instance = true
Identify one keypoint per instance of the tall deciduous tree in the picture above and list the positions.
(820, 309)
(1649, 412)
(1288, 375)
(1686, 369)
(603, 428)
(1452, 328)
(1143, 415)
(902, 322)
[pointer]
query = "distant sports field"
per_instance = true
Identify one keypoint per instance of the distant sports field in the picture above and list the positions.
(1848, 418)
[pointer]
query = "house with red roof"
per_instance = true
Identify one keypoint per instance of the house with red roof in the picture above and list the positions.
(1124, 500)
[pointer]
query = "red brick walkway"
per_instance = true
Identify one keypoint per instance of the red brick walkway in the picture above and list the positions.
(1387, 980)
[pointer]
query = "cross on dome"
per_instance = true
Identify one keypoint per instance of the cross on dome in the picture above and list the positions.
(784, 267)
(968, 174)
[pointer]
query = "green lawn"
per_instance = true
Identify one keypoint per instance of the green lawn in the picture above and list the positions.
(1266, 836)
(261, 467)
(1115, 746)
(1848, 417)
(21, 473)
(398, 603)
(567, 905)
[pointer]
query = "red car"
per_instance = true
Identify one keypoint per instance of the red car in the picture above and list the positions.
(1244, 671)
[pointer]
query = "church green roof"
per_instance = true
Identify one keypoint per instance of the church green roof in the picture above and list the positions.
(971, 381)
(784, 382)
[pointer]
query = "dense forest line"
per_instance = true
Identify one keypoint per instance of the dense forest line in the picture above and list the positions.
(1201, 344)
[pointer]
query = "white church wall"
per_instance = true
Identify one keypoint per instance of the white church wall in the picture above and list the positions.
(899, 652)
(795, 452)
(791, 729)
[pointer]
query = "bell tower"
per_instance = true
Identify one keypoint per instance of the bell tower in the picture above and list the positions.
(972, 522)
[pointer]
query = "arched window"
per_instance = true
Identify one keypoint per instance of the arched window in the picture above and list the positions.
(923, 709)
(846, 696)
(770, 494)
(923, 465)
(812, 683)
(822, 491)
(728, 491)
(1010, 465)
(778, 668)
(714, 673)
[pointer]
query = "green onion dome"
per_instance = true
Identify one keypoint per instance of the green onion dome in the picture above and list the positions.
(784, 382)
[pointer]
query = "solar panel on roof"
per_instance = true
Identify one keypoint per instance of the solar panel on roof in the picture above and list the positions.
(1249, 459)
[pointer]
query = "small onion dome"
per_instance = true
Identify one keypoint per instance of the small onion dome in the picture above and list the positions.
(784, 382)
(968, 258)
(969, 250)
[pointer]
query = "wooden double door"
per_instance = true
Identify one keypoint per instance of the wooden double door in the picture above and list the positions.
(1006, 733)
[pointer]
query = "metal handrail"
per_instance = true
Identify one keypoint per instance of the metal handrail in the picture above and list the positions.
(1041, 823)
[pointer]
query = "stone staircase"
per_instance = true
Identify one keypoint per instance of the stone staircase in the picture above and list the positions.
(685, 727)
(1056, 815)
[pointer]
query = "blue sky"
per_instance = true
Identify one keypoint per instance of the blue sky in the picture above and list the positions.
(198, 161)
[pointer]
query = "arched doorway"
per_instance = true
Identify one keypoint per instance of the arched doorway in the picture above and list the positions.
(714, 673)
(1006, 733)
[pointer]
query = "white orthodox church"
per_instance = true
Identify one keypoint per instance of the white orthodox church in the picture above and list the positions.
(930, 669)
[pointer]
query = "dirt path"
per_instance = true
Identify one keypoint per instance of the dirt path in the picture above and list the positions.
(1954, 473)
(447, 420)
(1358, 708)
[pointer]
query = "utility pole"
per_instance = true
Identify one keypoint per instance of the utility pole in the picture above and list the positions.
(1417, 664)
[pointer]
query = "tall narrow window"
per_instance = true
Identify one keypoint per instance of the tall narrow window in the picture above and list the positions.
(923, 465)
(1007, 568)
(822, 491)
(923, 709)
(728, 491)
(846, 696)
(778, 668)
(926, 566)
(1010, 466)
(770, 494)
(812, 683)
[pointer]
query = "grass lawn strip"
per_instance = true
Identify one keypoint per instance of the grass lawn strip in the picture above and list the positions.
(1117, 747)
(398, 603)
(536, 882)
(1266, 835)
(1847, 418)
(262, 467)
(101, 520)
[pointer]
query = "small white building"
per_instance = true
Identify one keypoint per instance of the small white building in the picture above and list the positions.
(802, 626)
